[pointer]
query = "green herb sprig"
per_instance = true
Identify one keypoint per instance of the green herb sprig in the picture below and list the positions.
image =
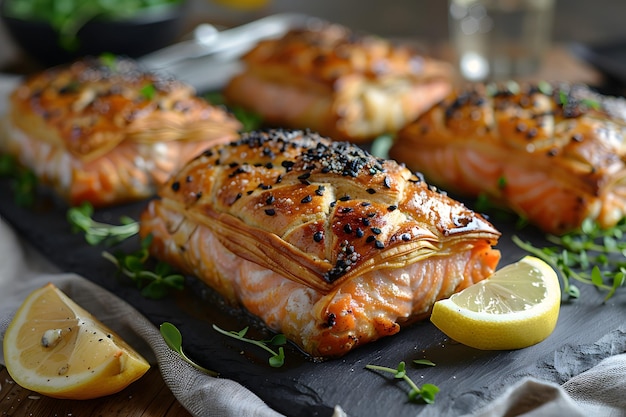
(81, 220)
(250, 120)
(154, 284)
(591, 255)
(425, 393)
(174, 340)
(23, 181)
(276, 360)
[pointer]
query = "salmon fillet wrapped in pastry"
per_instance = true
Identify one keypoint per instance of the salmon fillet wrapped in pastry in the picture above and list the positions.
(322, 241)
(343, 85)
(104, 131)
(552, 152)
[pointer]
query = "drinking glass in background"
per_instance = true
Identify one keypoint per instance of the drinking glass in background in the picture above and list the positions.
(499, 39)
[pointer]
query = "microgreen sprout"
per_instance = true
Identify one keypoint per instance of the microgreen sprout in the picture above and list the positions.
(81, 219)
(250, 120)
(276, 360)
(424, 362)
(425, 393)
(148, 91)
(174, 340)
(154, 284)
(591, 255)
(23, 181)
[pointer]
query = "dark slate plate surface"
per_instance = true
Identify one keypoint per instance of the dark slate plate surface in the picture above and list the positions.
(587, 332)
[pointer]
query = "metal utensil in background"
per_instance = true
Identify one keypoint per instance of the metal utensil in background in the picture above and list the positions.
(209, 59)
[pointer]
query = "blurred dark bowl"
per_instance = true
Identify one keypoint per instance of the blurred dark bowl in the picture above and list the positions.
(154, 28)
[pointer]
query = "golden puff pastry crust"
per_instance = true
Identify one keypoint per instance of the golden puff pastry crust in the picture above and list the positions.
(341, 84)
(304, 232)
(552, 152)
(105, 131)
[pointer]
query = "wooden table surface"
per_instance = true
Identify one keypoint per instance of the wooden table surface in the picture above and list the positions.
(150, 396)
(147, 397)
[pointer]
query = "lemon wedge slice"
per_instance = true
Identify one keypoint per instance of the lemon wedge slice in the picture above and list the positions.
(518, 306)
(56, 348)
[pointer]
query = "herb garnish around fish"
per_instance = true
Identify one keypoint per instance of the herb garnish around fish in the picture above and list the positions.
(23, 181)
(174, 341)
(81, 219)
(276, 360)
(154, 284)
(249, 120)
(591, 255)
(426, 393)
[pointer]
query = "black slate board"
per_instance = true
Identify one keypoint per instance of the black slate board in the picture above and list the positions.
(467, 377)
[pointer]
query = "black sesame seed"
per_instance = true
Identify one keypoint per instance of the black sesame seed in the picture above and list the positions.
(270, 212)
(189, 178)
(376, 230)
(387, 182)
(270, 200)
(176, 186)
(320, 190)
(346, 210)
(371, 191)
(304, 176)
(370, 239)
(366, 204)
(345, 198)
(288, 165)
(392, 207)
(406, 237)
(379, 244)
(238, 196)
(306, 199)
(365, 221)
(359, 232)
(318, 236)
(347, 228)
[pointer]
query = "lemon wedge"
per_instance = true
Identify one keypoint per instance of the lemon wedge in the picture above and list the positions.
(56, 348)
(518, 306)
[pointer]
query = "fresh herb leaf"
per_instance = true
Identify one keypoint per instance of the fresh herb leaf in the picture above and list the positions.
(81, 220)
(424, 362)
(591, 255)
(23, 181)
(276, 360)
(154, 284)
(249, 120)
(426, 393)
(148, 91)
(174, 340)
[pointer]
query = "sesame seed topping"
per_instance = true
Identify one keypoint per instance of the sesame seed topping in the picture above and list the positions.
(176, 186)
(270, 212)
(318, 236)
(306, 199)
